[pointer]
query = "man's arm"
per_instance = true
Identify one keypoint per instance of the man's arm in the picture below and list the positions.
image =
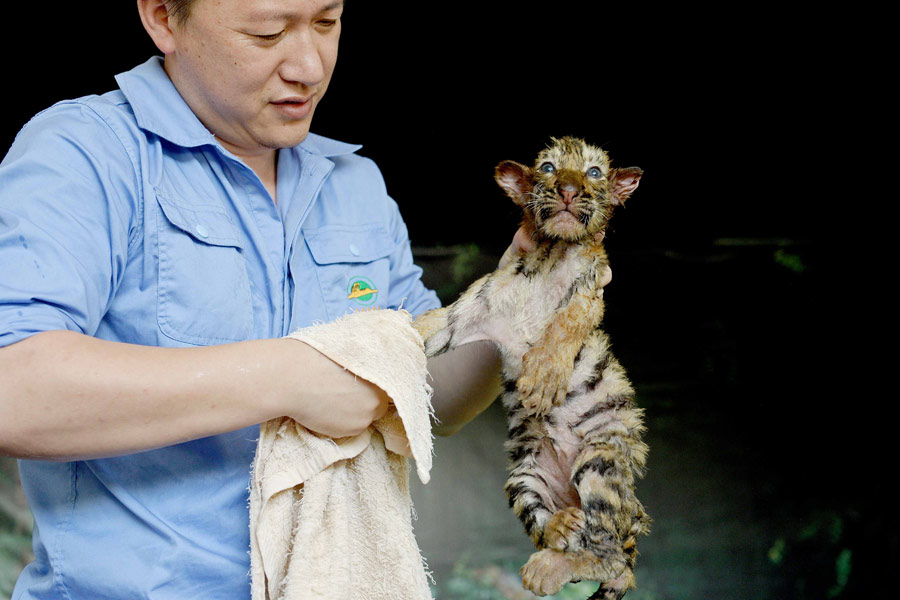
(465, 380)
(69, 396)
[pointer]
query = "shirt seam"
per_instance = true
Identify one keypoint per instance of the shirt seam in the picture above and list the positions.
(134, 238)
(65, 527)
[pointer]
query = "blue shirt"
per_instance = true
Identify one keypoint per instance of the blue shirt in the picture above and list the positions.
(121, 217)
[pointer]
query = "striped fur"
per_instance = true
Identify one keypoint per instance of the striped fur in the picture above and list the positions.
(575, 434)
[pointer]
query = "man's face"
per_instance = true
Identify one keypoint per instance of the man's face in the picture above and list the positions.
(253, 71)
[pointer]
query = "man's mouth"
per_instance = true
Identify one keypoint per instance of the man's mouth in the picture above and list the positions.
(292, 100)
(293, 107)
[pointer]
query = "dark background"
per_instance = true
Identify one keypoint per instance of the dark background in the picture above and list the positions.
(737, 284)
(734, 117)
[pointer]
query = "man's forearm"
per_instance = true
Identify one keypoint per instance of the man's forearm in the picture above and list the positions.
(67, 395)
(466, 380)
(64, 395)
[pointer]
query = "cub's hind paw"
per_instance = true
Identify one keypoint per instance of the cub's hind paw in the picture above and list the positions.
(546, 572)
(563, 530)
(616, 588)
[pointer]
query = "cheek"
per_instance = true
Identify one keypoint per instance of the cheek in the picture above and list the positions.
(328, 56)
(598, 189)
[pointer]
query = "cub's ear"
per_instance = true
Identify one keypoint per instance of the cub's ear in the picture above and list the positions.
(622, 183)
(515, 179)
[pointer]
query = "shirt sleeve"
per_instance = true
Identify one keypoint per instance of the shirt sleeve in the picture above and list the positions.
(68, 198)
(407, 290)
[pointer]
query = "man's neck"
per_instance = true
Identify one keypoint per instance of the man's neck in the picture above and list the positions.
(264, 164)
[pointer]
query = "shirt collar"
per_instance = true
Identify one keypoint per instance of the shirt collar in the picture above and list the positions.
(323, 146)
(159, 108)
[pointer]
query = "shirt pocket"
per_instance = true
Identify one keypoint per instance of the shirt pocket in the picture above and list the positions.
(352, 266)
(204, 290)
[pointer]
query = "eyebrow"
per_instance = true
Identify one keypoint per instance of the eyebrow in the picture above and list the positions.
(263, 14)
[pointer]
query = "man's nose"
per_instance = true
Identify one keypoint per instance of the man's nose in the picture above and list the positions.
(302, 62)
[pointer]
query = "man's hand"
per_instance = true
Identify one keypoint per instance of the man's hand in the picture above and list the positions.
(523, 242)
(333, 402)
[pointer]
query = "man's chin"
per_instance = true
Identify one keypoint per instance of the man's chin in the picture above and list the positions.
(285, 141)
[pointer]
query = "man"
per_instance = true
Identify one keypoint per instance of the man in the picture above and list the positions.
(156, 243)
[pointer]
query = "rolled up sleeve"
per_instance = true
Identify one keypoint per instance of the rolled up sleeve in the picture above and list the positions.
(68, 212)
(407, 289)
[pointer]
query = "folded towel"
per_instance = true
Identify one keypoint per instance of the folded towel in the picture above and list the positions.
(333, 518)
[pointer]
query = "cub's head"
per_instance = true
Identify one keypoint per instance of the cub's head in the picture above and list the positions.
(571, 191)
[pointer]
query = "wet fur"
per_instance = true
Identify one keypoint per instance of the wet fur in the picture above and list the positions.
(575, 434)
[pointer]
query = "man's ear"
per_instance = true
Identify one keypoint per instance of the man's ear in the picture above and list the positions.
(622, 182)
(155, 17)
(515, 179)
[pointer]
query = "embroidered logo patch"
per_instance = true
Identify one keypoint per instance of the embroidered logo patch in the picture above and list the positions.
(362, 290)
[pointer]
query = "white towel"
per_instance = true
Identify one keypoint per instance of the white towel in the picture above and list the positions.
(332, 519)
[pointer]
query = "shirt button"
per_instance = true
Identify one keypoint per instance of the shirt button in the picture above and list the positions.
(354, 250)
(202, 231)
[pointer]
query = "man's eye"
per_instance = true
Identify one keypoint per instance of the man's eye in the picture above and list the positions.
(327, 23)
(269, 37)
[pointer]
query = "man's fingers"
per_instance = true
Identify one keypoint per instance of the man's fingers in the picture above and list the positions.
(606, 277)
(521, 242)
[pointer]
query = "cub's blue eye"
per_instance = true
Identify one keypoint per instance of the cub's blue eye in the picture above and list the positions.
(594, 173)
(547, 168)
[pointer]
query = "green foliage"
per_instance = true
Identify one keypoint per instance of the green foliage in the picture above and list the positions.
(465, 266)
(15, 528)
(817, 557)
(15, 551)
(496, 582)
(502, 582)
(790, 260)
(842, 567)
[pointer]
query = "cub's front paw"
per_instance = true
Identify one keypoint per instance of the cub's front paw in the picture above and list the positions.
(432, 326)
(544, 381)
(563, 530)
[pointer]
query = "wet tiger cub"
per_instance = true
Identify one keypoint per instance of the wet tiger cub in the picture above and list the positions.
(575, 433)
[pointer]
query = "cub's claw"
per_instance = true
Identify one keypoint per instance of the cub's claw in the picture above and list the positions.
(537, 405)
(563, 529)
(616, 588)
(543, 383)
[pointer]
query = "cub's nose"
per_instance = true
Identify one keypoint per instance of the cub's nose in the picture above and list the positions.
(568, 193)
